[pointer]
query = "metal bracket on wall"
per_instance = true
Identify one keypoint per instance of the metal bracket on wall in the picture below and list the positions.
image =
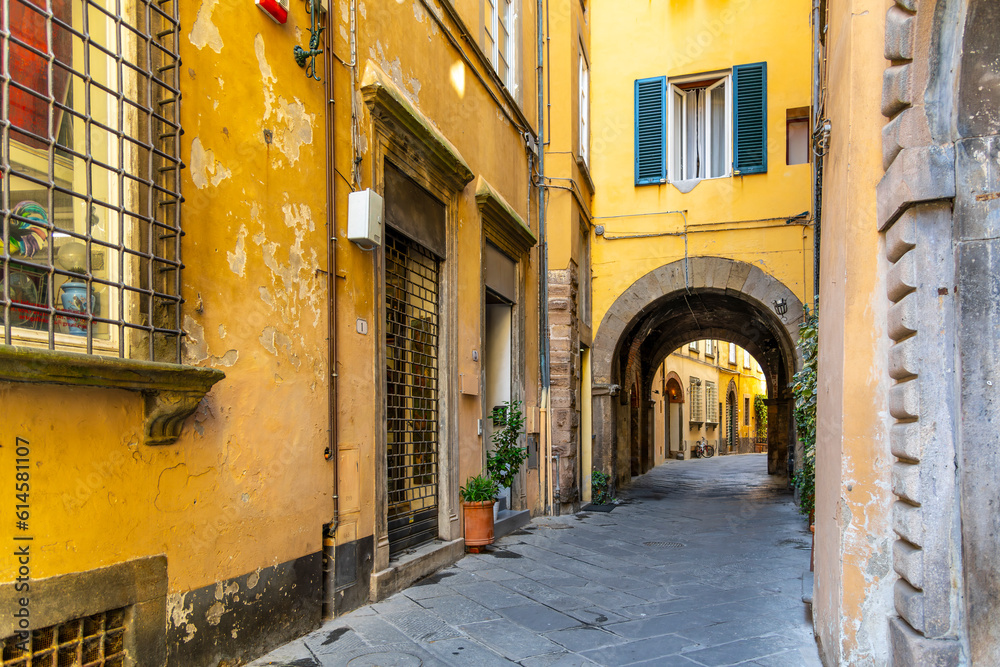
(307, 59)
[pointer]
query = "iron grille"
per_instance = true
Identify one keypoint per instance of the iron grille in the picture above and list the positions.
(94, 641)
(411, 340)
(90, 176)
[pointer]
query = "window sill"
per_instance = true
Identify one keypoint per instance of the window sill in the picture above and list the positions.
(171, 392)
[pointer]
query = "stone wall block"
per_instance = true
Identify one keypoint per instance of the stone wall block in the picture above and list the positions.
(977, 207)
(897, 92)
(906, 442)
(908, 4)
(908, 561)
(898, 34)
(906, 482)
(908, 522)
(755, 278)
(737, 277)
(718, 274)
(904, 399)
(904, 359)
(563, 401)
(670, 278)
(926, 173)
(908, 129)
(558, 304)
(909, 604)
(903, 319)
(909, 648)
(901, 237)
(902, 278)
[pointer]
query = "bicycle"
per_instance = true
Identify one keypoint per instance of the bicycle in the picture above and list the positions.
(702, 450)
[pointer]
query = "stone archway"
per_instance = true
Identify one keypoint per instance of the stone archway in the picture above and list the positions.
(701, 297)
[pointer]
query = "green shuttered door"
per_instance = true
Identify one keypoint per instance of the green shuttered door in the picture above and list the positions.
(750, 118)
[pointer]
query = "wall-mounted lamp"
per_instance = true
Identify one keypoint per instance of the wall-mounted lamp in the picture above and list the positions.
(780, 307)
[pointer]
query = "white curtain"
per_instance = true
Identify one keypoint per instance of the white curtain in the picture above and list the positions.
(718, 102)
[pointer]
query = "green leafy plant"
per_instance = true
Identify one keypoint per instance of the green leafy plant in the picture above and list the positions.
(479, 489)
(804, 388)
(760, 411)
(503, 463)
(599, 492)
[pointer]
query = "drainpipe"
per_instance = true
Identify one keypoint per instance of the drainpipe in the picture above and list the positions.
(818, 121)
(543, 288)
(330, 530)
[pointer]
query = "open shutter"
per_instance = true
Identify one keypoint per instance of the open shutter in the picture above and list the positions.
(650, 130)
(750, 118)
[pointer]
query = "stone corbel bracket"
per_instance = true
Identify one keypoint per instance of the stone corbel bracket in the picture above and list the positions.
(384, 97)
(171, 392)
(502, 223)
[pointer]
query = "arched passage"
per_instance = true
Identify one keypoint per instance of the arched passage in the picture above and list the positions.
(686, 300)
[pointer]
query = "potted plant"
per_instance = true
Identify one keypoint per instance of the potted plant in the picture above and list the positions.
(504, 461)
(478, 496)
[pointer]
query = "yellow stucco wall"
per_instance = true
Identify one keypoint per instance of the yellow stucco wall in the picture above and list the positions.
(853, 487)
(246, 485)
(686, 363)
(729, 217)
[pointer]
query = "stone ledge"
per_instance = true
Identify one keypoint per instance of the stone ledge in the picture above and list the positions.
(508, 521)
(407, 569)
(171, 391)
(379, 91)
(911, 648)
(916, 175)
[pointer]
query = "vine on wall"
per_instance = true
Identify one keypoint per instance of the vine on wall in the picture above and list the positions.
(760, 412)
(804, 389)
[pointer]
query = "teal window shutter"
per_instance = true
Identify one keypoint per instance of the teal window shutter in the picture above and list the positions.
(750, 118)
(650, 130)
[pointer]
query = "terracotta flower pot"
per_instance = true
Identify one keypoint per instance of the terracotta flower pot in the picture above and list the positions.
(478, 525)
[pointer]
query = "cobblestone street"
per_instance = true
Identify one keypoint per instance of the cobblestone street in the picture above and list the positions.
(701, 564)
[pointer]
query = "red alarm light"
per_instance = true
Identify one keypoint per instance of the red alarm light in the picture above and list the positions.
(276, 9)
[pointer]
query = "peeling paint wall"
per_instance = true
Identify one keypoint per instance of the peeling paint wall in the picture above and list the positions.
(246, 487)
(854, 577)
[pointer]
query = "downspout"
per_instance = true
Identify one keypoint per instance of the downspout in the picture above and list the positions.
(543, 289)
(819, 124)
(331, 453)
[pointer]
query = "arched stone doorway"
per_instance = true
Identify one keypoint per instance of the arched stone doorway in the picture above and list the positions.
(686, 300)
(673, 440)
(732, 417)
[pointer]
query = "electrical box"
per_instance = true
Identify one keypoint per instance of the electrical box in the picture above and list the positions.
(276, 9)
(364, 218)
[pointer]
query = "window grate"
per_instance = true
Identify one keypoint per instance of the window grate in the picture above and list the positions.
(411, 336)
(90, 176)
(93, 641)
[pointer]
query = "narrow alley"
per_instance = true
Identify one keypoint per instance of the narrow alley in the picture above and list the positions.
(700, 564)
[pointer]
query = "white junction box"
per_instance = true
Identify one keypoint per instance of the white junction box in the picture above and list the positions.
(364, 218)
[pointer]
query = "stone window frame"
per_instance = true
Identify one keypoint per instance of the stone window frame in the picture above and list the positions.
(404, 136)
(139, 585)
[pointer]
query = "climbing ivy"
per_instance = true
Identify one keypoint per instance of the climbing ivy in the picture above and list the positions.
(804, 388)
(760, 411)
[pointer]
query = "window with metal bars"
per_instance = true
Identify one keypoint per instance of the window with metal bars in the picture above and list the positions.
(90, 176)
(411, 340)
(94, 641)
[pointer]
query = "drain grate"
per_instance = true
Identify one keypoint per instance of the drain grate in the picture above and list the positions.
(665, 545)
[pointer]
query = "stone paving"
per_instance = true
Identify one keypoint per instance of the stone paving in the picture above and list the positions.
(701, 564)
